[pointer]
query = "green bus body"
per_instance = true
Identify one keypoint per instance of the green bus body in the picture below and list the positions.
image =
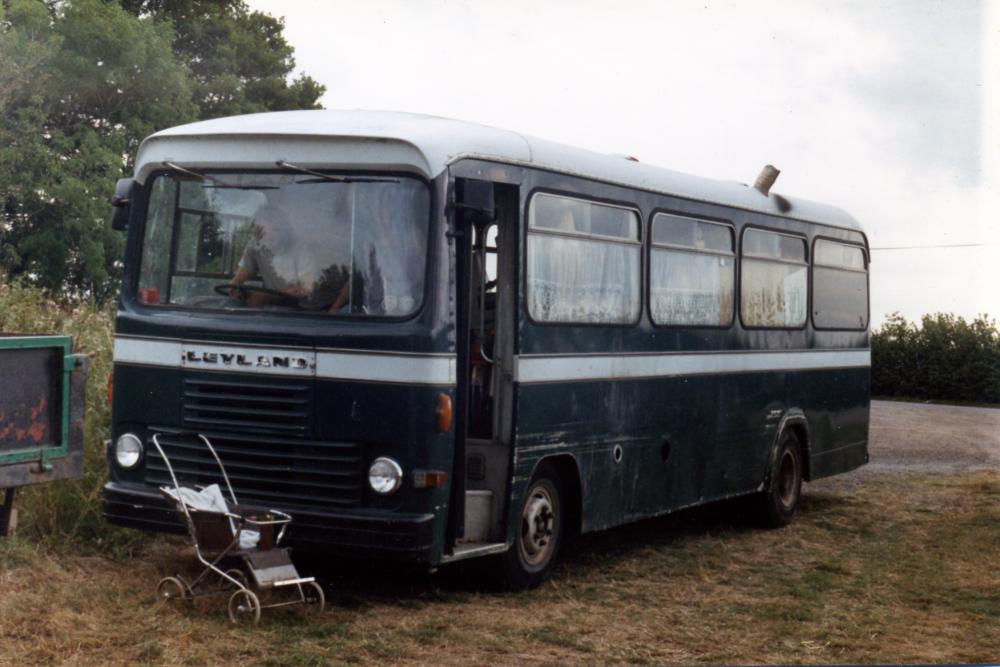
(639, 419)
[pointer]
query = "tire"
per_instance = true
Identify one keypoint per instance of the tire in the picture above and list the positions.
(172, 589)
(313, 599)
(529, 561)
(777, 505)
(244, 608)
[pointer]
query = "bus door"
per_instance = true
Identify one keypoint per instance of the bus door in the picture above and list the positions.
(485, 238)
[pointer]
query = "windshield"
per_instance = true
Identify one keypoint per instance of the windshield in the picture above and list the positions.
(339, 245)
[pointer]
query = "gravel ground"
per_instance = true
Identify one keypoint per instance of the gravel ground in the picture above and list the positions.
(926, 438)
(933, 438)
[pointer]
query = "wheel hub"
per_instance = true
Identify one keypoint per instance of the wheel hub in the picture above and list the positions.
(538, 524)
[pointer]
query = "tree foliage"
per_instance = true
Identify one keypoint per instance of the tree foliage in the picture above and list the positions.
(82, 82)
(943, 358)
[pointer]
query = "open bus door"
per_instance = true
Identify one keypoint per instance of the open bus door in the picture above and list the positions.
(485, 240)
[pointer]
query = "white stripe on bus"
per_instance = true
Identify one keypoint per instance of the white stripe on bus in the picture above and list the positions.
(564, 368)
(434, 369)
(439, 369)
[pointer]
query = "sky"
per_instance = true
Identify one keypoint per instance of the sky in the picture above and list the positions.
(887, 109)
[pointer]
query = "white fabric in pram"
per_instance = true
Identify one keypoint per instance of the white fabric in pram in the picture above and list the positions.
(210, 499)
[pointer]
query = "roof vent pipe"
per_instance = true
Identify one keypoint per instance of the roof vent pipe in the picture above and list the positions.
(768, 175)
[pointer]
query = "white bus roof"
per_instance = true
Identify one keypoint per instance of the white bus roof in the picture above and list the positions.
(427, 145)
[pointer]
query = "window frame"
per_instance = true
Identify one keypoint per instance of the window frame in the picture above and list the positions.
(807, 263)
(865, 256)
(601, 238)
(651, 246)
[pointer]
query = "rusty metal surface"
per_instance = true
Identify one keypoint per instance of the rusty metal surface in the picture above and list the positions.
(30, 400)
(68, 467)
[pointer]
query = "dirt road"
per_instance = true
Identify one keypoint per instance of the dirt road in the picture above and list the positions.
(919, 437)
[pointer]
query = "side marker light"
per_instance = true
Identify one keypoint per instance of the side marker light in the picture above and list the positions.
(444, 413)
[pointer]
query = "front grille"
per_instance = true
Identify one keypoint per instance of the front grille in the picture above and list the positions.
(264, 470)
(247, 407)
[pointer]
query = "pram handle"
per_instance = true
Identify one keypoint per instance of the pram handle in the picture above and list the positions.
(211, 449)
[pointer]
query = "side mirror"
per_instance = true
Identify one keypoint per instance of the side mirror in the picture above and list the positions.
(474, 200)
(121, 203)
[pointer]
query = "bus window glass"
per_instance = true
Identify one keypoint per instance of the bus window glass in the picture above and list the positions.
(295, 243)
(675, 230)
(691, 273)
(840, 286)
(838, 255)
(773, 279)
(769, 245)
(583, 262)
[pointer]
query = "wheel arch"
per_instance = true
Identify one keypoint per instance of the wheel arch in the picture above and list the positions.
(793, 420)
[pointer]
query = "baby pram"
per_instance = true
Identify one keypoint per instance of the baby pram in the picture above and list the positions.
(223, 530)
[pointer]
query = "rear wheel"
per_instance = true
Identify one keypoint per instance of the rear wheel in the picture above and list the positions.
(529, 560)
(313, 599)
(777, 505)
(244, 608)
(171, 589)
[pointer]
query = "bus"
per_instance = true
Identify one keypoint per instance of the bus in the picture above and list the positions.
(429, 340)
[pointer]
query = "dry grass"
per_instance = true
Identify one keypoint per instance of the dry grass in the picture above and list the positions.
(896, 569)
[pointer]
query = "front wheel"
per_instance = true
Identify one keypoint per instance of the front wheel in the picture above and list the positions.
(529, 560)
(777, 505)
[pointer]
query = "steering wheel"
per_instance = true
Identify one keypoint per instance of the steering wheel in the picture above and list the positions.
(243, 289)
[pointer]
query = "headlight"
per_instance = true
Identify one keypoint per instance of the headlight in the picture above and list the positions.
(385, 475)
(128, 450)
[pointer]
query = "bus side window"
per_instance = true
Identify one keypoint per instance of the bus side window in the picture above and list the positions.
(840, 286)
(691, 272)
(583, 261)
(773, 278)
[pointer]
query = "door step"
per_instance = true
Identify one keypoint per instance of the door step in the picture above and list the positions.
(463, 551)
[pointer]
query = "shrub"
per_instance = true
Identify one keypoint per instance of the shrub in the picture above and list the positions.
(944, 358)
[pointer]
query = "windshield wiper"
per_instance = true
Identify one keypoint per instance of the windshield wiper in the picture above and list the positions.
(321, 177)
(216, 182)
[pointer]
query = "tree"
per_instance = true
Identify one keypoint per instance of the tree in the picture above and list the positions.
(82, 82)
(239, 60)
(944, 358)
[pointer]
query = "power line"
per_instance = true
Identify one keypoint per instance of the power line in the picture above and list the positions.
(927, 247)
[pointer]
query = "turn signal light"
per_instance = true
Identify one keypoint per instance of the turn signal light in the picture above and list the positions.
(429, 479)
(444, 413)
(111, 386)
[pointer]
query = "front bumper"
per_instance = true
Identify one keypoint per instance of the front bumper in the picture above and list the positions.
(369, 533)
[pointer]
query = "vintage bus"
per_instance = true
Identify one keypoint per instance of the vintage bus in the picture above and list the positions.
(430, 340)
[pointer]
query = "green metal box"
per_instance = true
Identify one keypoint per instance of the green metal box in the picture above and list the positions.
(41, 409)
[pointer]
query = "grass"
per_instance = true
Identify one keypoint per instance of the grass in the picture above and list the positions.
(895, 569)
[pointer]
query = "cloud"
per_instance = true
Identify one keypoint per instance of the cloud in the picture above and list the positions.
(873, 107)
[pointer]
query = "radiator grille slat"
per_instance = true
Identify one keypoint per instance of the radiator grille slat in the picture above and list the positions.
(219, 404)
(267, 471)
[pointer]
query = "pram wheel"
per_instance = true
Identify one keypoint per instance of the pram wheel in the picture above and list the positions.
(237, 574)
(313, 599)
(244, 607)
(171, 589)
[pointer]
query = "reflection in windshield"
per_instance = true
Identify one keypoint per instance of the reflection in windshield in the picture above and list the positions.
(286, 242)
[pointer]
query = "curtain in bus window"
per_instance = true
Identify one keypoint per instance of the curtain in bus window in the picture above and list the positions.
(688, 288)
(582, 280)
(772, 294)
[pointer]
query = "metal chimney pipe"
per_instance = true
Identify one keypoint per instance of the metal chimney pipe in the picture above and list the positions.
(768, 175)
